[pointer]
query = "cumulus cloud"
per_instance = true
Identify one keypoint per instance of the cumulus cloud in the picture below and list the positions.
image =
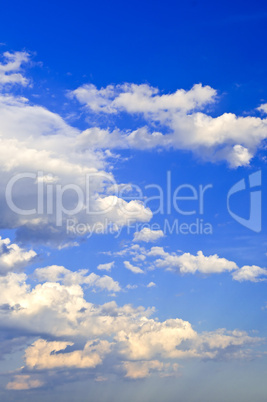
(41, 354)
(59, 309)
(134, 269)
(9, 70)
(147, 235)
(63, 320)
(188, 263)
(176, 339)
(185, 263)
(250, 273)
(13, 257)
(182, 122)
(213, 264)
(32, 140)
(142, 98)
(65, 329)
(57, 273)
(263, 108)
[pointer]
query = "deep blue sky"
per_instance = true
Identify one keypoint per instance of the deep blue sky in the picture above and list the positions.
(170, 45)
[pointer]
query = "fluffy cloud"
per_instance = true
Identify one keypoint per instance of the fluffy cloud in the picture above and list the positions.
(33, 139)
(185, 263)
(151, 285)
(9, 70)
(66, 330)
(143, 98)
(263, 108)
(226, 137)
(13, 257)
(188, 263)
(147, 235)
(134, 269)
(76, 334)
(176, 339)
(60, 309)
(250, 273)
(41, 355)
(57, 273)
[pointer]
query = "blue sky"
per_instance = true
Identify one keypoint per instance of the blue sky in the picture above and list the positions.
(124, 127)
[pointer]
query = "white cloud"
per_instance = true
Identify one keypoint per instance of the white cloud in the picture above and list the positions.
(263, 108)
(55, 309)
(134, 269)
(188, 263)
(57, 273)
(250, 273)
(129, 334)
(40, 355)
(176, 339)
(151, 285)
(226, 137)
(9, 70)
(157, 251)
(34, 139)
(147, 235)
(106, 267)
(142, 98)
(13, 257)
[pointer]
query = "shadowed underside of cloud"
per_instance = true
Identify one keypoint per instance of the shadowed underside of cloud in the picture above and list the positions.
(57, 314)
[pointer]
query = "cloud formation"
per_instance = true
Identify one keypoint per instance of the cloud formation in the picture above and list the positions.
(41, 355)
(180, 119)
(56, 273)
(13, 257)
(106, 267)
(187, 263)
(47, 313)
(134, 269)
(73, 333)
(10, 69)
(147, 235)
(34, 139)
(251, 273)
